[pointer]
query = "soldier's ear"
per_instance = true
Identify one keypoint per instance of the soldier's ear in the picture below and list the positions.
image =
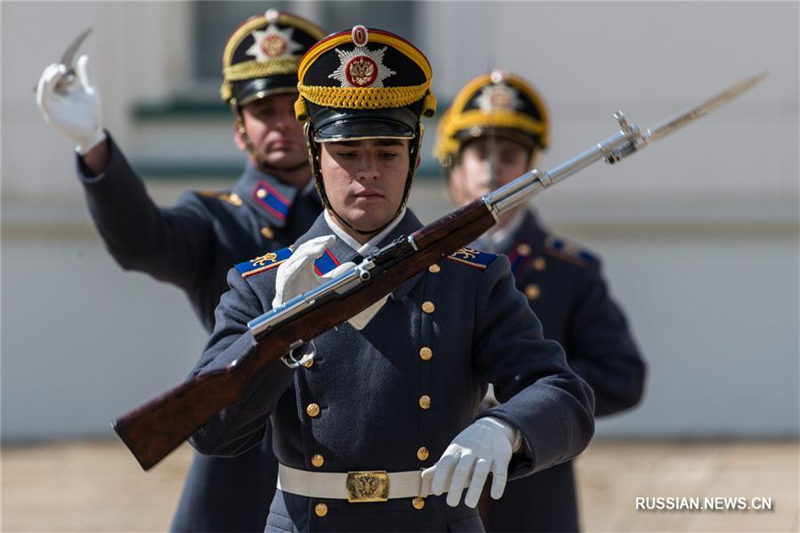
(454, 185)
(237, 138)
(534, 159)
(417, 163)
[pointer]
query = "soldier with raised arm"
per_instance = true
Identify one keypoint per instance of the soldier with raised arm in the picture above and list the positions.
(494, 132)
(193, 243)
(379, 428)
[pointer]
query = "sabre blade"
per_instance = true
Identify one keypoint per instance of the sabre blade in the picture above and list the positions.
(68, 57)
(668, 126)
(68, 60)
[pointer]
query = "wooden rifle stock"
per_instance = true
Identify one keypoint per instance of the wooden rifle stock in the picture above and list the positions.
(155, 429)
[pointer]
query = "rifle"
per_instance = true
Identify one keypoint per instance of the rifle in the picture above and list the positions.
(156, 428)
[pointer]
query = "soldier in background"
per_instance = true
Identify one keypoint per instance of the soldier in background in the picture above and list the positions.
(193, 243)
(493, 133)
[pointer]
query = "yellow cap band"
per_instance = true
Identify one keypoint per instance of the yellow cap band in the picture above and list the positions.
(258, 69)
(499, 119)
(447, 145)
(364, 97)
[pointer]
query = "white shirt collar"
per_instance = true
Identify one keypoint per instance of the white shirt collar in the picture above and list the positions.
(369, 246)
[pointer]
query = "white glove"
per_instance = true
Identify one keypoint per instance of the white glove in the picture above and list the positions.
(482, 447)
(75, 110)
(296, 275)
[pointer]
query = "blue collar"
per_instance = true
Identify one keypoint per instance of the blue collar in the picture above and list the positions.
(266, 194)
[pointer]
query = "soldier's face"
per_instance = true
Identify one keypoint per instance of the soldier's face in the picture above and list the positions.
(274, 131)
(470, 176)
(364, 180)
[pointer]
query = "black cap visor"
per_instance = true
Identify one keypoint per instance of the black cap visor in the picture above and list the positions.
(354, 124)
(525, 139)
(247, 91)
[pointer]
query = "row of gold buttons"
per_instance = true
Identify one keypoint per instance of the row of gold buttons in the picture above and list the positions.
(317, 459)
(525, 250)
(425, 353)
(532, 291)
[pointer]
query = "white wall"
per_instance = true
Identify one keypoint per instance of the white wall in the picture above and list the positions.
(699, 233)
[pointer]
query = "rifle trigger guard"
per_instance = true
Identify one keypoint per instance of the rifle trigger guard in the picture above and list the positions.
(293, 362)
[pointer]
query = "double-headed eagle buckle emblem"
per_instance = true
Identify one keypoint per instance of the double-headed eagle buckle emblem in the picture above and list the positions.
(367, 486)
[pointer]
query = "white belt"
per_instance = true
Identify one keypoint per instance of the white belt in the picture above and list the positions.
(362, 486)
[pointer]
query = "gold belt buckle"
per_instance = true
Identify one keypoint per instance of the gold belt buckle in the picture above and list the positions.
(367, 486)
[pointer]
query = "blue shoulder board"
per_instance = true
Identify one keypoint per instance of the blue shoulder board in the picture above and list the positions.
(472, 257)
(568, 251)
(262, 263)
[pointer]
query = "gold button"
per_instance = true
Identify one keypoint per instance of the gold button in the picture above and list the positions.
(428, 306)
(425, 401)
(524, 249)
(434, 269)
(317, 460)
(539, 263)
(312, 410)
(321, 509)
(261, 193)
(235, 199)
(418, 502)
(423, 453)
(309, 363)
(425, 353)
(267, 232)
(532, 291)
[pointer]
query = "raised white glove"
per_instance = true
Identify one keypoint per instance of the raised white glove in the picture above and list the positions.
(296, 275)
(75, 110)
(484, 446)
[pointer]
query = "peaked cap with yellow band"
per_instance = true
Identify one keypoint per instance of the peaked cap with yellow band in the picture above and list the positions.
(262, 55)
(497, 103)
(364, 83)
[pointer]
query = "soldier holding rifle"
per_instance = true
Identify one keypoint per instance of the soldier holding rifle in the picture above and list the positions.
(494, 131)
(193, 244)
(378, 427)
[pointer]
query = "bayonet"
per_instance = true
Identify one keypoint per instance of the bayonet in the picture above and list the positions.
(672, 124)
